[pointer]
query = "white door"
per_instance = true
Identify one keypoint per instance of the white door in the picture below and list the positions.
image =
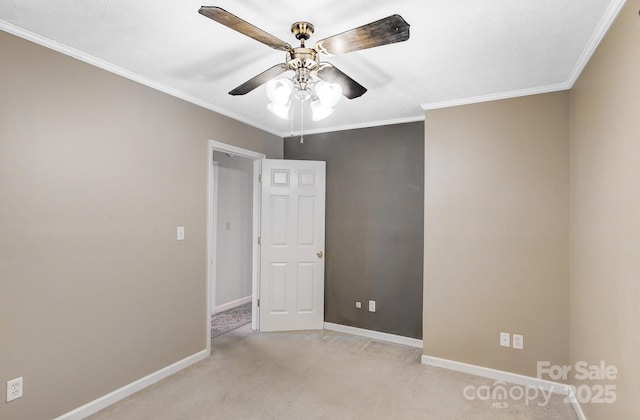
(292, 245)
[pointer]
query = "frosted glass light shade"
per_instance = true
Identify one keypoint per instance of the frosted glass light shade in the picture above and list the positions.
(281, 111)
(319, 111)
(279, 90)
(328, 93)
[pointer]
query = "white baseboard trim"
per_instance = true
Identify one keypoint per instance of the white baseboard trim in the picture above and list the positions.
(121, 393)
(377, 335)
(498, 375)
(503, 376)
(231, 305)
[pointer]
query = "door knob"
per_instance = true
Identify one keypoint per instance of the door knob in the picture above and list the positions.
(319, 254)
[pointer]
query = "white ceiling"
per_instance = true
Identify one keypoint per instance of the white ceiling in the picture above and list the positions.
(459, 52)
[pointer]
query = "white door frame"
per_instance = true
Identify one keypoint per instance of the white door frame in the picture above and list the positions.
(213, 258)
(214, 145)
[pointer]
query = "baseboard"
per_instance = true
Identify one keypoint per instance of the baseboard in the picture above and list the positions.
(377, 335)
(498, 375)
(503, 376)
(231, 305)
(121, 393)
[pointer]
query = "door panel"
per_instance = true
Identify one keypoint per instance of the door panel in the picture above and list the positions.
(306, 286)
(279, 220)
(292, 245)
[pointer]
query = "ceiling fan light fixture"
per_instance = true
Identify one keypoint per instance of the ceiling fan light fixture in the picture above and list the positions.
(280, 110)
(279, 91)
(319, 111)
(328, 93)
(302, 94)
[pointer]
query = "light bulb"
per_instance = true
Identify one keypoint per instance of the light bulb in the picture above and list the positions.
(328, 93)
(319, 111)
(279, 90)
(281, 111)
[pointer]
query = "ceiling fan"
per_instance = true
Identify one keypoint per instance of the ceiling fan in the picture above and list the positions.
(305, 62)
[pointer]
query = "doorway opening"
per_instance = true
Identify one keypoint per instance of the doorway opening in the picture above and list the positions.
(233, 208)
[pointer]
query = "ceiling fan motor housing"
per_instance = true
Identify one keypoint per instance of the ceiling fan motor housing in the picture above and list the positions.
(302, 61)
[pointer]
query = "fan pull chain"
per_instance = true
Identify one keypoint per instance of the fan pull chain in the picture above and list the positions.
(301, 121)
(291, 119)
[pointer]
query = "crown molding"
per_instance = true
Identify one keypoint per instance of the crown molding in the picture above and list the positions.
(97, 62)
(596, 38)
(495, 96)
(356, 126)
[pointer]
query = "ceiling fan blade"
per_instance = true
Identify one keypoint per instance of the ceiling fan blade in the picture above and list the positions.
(381, 32)
(258, 80)
(350, 88)
(231, 21)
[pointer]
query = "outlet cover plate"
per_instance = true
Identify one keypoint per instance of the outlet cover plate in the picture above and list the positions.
(14, 389)
(518, 341)
(372, 306)
(505, 339)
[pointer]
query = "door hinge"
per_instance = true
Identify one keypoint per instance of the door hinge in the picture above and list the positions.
(259, 241)
(260, 178)
(258, 302)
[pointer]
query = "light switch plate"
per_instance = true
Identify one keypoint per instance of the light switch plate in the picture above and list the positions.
(180, 233)
(505, 339)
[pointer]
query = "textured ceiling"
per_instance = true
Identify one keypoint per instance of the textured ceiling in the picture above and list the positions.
(459, 52)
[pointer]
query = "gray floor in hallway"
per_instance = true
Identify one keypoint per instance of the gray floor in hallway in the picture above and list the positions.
(322, 375)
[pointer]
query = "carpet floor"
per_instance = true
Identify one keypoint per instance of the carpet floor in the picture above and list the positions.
(230, 320)
(322, 375)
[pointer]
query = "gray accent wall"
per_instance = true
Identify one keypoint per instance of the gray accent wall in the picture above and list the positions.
(374, 224)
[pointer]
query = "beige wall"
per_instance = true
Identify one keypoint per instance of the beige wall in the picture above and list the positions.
(496, 224)
(96, 172)
(496, 232)
(605, 215)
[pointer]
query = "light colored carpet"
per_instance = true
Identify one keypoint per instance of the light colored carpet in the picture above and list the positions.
(319, 375)
(230, 320)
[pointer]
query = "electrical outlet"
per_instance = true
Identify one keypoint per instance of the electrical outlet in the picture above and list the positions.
(518, 341)
(505, 339)
(358, 304)
(14, 389)
(372, 306)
